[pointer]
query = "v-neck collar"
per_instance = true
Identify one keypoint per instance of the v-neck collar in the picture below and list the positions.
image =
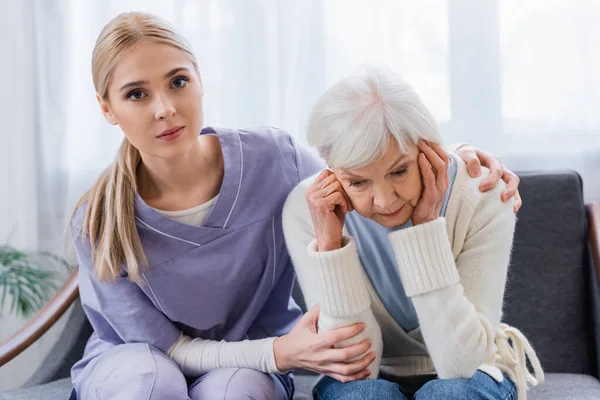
(217, 221)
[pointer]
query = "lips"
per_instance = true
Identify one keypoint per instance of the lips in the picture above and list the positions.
(395, 213)
(170, 131)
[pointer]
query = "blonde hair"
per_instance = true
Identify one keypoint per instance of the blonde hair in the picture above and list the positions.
(352, 122)
(110, 213)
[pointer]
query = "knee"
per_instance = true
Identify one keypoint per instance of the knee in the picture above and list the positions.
(250, 384)
(329, 388)
(480, 386)
(235, 384)
(169, 381)
(137, 371)
(444, 389)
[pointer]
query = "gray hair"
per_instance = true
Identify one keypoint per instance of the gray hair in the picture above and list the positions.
(352, 122)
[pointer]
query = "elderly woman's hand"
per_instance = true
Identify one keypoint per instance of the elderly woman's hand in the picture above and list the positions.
(433, 163)
(328, 204)
(475, 158)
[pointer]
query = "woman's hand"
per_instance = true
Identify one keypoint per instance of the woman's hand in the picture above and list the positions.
(433, 163)
(476, 158)
(304, 348)
(328, 204)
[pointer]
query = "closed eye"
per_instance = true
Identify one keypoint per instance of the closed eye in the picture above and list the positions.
(400, 172)
(355, 183)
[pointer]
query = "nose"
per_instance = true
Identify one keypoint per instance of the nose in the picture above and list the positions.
(384, 197)
(164, 108)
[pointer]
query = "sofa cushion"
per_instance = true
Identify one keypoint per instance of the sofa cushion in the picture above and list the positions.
(548, 294)
(57, 390)
(566, 387)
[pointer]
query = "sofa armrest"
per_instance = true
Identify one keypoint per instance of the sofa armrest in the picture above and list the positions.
(593, 215)
(42, 321)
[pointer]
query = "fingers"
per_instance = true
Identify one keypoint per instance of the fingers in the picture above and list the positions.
(469, 156)
(328, 187)
(322, 176)
(352, 368)
(426, 172)
(332, 338)
(337, 199)
(518, 201)
(441, 152)
(439, 162)
(492, 180)
(348, 353)
(311, 318)
(496, 170)
(313, 312)
(333, 187)
(351, 378)
(512, 184)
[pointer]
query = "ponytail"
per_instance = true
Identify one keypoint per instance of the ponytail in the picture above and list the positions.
(110, 218)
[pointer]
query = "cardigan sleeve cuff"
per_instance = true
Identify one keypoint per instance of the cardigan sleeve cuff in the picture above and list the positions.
(341, 279)
(424, 257)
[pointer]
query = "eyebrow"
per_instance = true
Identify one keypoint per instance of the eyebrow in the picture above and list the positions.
(350, 175)
(398, 161)
(167, 75)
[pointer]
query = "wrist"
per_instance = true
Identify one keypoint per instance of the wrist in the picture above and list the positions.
(328, 244)
(282, 358)
(421, 221)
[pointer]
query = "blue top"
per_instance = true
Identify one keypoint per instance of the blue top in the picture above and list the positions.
(378, 260)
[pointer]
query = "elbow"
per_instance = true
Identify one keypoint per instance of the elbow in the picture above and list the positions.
(460, 359)
(457, 370)
(461, 365)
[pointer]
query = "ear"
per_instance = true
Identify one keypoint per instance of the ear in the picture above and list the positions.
(105, 107)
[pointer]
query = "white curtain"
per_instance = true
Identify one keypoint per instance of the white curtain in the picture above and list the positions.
(518, 78)
(29, 157)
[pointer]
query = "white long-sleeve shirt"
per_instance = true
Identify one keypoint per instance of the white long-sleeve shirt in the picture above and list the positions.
(199, 356)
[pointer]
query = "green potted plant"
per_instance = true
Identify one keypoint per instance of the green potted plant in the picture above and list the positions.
(28, 279)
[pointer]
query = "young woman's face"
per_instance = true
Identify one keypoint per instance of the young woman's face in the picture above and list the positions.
(385, 191)
(155, 96)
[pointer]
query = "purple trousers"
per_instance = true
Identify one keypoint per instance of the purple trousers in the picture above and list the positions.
(139, 371)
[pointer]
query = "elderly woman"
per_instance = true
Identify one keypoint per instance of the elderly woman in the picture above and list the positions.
(396, 235)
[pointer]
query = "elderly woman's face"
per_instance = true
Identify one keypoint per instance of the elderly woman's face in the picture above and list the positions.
(385, 191)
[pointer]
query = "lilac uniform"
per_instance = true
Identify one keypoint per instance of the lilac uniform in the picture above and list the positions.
(229, 279)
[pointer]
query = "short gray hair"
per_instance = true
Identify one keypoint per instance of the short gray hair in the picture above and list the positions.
(352, 122)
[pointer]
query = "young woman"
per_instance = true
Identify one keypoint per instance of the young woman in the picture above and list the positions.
(395, 234)
(184, 273)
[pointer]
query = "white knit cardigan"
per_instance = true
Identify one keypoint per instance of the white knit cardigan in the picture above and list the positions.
(454, 270)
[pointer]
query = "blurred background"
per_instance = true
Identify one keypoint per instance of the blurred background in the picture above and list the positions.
(518, 78)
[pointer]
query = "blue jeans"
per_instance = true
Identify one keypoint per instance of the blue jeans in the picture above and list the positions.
(480, 387)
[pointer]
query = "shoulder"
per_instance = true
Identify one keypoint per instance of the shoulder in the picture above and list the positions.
(266, 135)
(76, 220)
(270, 142)
(277, 148)
(75, 237)
(467, 201)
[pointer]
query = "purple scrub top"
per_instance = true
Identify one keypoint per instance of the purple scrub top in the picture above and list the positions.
(229, 279)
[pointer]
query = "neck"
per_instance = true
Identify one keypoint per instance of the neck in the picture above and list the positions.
(184, 181)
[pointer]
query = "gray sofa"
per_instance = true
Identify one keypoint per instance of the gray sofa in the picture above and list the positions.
(552, 296)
